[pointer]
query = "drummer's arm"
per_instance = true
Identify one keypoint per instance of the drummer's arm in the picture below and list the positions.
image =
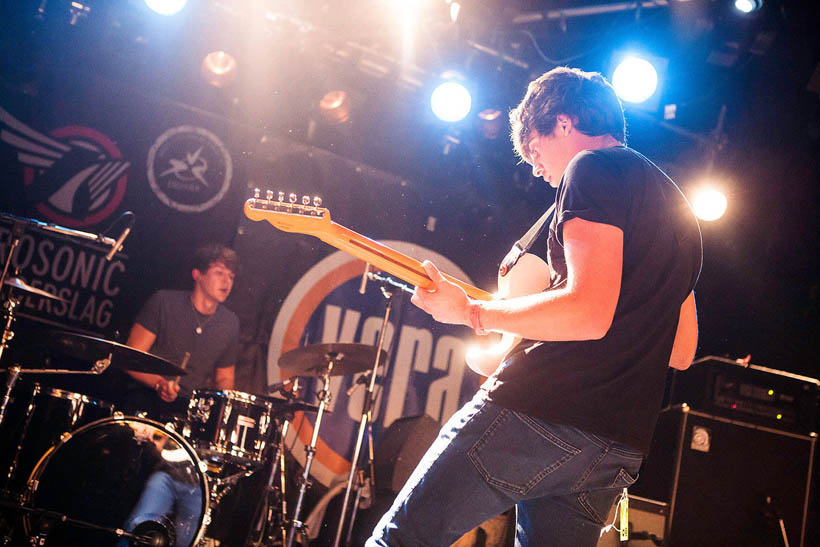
(142, 339)
(224, 377)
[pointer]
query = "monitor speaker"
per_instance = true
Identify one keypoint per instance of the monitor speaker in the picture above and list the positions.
(728, 482)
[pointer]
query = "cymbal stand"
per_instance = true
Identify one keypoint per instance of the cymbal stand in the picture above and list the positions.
(267, 508)
(367, 408)
(14, 373)
(297, 526)
(18, 229)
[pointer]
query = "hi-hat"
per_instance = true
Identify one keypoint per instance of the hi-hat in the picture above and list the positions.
(313, 360)
(125, 357)
(17, 283)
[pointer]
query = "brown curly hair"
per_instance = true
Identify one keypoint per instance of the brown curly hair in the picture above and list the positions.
(586, 97)
(212, 253)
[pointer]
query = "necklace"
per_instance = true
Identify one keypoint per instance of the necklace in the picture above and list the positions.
(200, 324)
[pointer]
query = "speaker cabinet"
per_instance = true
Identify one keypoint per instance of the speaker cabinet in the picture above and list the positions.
(728, 482)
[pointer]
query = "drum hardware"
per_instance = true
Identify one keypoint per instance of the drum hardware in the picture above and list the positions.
(267, 524)
(17, 231)
(389, 289)
(332, 358)
(148, 533)
(323, 361)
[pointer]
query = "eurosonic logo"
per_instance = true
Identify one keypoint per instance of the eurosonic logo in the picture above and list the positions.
(425, 374)
(189, 169)
(75, 176)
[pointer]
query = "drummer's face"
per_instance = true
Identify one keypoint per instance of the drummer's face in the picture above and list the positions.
(216, 282)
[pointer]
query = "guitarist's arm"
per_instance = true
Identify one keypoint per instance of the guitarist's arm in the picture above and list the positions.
(686, 335)
(581, 310)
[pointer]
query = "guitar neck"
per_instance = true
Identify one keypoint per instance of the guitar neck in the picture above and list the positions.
(389, 260)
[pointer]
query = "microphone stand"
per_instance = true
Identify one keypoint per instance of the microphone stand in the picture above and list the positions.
(367, 408)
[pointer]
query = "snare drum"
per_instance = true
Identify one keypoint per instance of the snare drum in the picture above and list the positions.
(228, 426)
(117, 473)
(50, 414)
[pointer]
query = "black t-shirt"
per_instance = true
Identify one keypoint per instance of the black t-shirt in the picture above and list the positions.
(171, 316)
(613, 387)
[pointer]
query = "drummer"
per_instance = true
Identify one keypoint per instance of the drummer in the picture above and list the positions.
(192, 329)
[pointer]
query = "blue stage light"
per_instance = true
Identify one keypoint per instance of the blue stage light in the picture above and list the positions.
(748, 6)
(166, 7)
(635, 80)
(451, 101)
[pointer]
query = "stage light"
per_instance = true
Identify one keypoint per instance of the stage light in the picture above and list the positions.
(219, 68)
(709, 204)
(748, 6)
(166, 7)
(335, 106)
(455, 9)
(635, 80)
(451, 101)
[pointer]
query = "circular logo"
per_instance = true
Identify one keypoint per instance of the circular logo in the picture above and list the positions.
(86, 182)
(189, 169)
(425, 375)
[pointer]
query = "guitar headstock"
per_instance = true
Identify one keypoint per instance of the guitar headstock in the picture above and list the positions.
(307, 217)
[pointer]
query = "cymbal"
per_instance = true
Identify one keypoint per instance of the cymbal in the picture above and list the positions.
(313, 360)
(17, 283)
(125, 357)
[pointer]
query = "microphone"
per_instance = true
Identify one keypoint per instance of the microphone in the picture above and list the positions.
(118, 243)
(361, 380)
(365, 276)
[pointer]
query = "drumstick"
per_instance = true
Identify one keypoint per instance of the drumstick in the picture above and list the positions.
(182, 365)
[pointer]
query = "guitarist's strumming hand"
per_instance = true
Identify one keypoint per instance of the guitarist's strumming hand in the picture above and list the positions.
(446, 301)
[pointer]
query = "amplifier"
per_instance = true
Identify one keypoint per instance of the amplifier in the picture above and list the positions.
(727, 482)
(737, 390)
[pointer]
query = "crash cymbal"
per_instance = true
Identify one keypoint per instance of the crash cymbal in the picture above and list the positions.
(313, 360)
(17, 283)
(124, 357)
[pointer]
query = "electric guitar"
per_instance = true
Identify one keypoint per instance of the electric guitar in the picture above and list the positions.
(529, 276)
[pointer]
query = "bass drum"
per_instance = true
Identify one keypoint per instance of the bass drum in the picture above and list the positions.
(123, 473)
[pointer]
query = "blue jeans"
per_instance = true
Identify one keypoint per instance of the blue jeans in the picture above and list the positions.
(486, 459)
(164, 497)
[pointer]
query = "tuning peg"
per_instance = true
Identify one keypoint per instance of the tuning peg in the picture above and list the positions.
(317, 201)
(269, 195)
(281, 197)
(305, 200)
(292, 197)
(256, 193)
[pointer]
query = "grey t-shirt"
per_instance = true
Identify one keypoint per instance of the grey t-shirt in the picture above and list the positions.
(171, 316)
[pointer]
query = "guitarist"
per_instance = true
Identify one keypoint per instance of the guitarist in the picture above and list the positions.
(562, 425)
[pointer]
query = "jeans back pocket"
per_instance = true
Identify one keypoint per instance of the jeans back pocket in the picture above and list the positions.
(516, 452)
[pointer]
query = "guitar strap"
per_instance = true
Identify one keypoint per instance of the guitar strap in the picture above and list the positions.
(523, 245)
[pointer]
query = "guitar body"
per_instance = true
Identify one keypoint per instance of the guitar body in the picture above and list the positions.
(530, 275)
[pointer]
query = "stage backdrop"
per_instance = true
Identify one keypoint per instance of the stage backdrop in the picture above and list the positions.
(81, 151)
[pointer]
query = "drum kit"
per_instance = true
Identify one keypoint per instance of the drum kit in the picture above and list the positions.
(76, 471)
